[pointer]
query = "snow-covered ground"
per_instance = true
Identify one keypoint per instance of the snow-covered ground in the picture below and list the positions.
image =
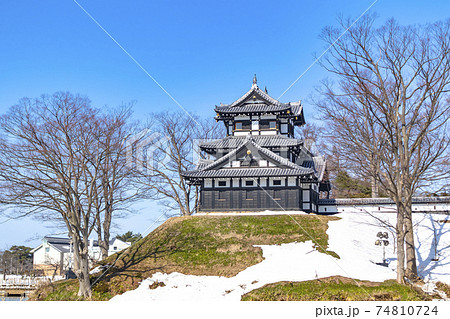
(352, 238)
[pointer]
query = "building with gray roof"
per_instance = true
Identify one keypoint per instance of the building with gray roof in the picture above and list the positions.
(259, 165)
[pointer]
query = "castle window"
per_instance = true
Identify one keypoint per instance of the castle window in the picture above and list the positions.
(268, 124)
(243, 125)
(222, 183)
(248, 183)
(277, 182)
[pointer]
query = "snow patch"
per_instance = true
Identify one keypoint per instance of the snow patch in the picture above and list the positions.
(352, 237)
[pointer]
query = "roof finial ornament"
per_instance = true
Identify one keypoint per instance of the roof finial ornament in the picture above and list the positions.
(255, 85)
(265, 90)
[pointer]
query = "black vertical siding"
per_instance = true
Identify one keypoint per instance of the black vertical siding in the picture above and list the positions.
(252, 198)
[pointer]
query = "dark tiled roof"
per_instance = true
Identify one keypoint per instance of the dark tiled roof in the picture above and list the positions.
(296, 108)
(262, 103)
(320, 164)
(203, 163)
(256, 108)
(61, 244)
(286, 167)
(314, 167)
(317, 163)
(262, 140)
(64, 248)
(249, 172)
(57, 240)
(256, 90)
(249, 144)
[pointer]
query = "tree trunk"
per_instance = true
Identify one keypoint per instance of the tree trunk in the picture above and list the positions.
(197, 199)
(83, 278)
(374, 186)
(411, 264)
(106, 230)
(82, 271)
(103, 238)
(400, 245)
(103, 248)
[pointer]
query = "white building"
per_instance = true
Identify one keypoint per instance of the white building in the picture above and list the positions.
(55, 255)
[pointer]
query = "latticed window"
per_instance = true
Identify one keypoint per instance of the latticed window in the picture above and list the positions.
(242, 125)
(268, 124)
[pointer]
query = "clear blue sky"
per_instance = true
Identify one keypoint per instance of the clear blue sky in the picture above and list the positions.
(201, 52)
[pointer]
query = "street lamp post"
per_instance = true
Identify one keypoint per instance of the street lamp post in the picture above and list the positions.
(383, 241)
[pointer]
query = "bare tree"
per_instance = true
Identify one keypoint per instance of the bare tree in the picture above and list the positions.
(388, 110)
(169, 151)
(56, 161)
(116, 188)
(312, 135)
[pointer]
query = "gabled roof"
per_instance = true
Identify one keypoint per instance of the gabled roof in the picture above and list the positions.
(250, 143)
(60, 244)
(63, 244)
(260, 96)
(258, 101)
(284, 166)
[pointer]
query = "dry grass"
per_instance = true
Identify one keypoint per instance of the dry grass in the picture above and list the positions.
(335, 288)
(204, 245)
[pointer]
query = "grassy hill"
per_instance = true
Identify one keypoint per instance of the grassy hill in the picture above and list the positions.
(203, 245)
(336, 288)
(224, 246)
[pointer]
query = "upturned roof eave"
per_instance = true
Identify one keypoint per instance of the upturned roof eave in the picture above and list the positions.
(271, 102)
(247, 173)
(282, 142)
(264, 151)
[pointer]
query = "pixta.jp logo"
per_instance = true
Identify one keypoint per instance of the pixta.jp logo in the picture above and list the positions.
(148, 152)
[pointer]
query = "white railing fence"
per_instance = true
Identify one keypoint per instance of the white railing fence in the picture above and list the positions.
(22, 283)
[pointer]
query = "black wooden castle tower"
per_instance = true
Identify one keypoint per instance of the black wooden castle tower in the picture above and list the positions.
(259, 165)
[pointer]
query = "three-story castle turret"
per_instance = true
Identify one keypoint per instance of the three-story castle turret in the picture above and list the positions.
(259, 165)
